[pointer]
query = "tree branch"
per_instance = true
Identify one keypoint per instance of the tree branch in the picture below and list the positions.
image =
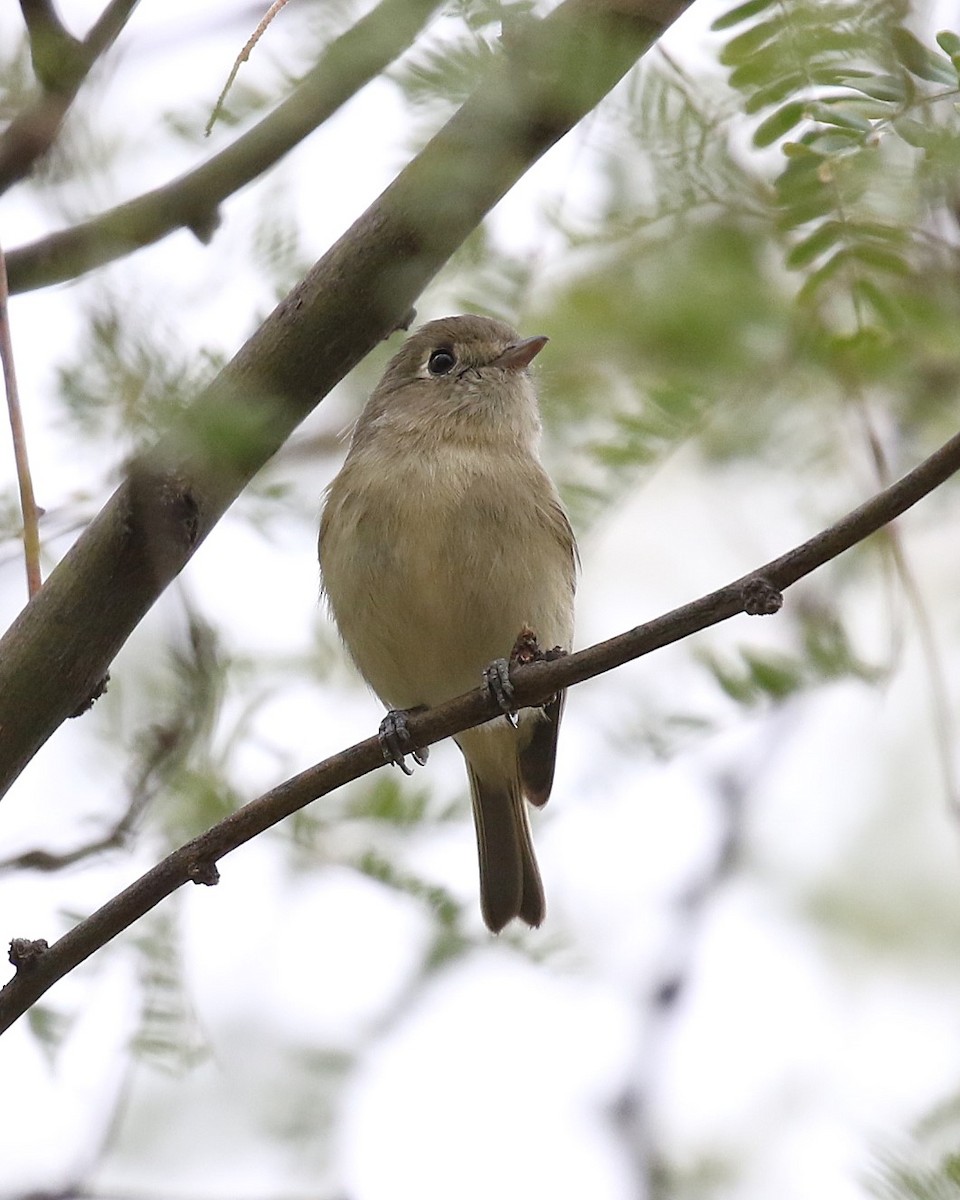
(60, 647)
(39, 966)
(61, 64)
(51, 45)
(192, 201)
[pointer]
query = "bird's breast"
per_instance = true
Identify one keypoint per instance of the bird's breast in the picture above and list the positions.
(434, 564)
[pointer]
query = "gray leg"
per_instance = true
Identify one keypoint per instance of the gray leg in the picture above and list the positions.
(396, 742)
(496, 679)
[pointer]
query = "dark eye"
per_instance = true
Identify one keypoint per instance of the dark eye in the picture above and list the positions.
(441, 361)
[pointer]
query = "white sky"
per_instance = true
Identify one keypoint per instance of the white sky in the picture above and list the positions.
(790, 1056)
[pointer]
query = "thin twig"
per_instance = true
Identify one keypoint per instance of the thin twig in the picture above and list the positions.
(241, 58)
(28, 506)
(39, 966)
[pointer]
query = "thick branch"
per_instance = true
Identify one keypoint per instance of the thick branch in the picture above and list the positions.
(193, 200)
(61, 64)
(52, 47)
(39, 966)
(60, 647)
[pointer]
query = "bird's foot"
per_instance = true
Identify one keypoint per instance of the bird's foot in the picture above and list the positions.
(396, 741)
(496, 676)
(496, 679)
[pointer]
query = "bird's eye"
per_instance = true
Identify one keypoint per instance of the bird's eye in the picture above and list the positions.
(441, 361)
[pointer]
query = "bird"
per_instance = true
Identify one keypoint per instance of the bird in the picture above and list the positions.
(443, 542)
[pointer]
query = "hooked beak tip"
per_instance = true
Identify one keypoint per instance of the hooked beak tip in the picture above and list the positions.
(520, 354)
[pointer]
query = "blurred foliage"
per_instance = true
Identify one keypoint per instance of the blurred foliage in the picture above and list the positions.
(169, 1036)
(277, 244)
(450, 59)
(386, 799)
(129, 376)
(866, 119)
(447, 71)
(927, 1166)
(445, 910)
(16, 78)
(11, 517)
(49, 1027)
(756, 676)
(747, 265)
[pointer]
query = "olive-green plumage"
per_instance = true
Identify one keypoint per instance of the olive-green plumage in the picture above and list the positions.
(442, 538)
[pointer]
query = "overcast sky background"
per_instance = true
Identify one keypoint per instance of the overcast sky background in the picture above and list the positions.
(792, 1052)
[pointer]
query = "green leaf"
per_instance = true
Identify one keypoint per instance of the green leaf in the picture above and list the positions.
(858, 255)
(915, 133)
(896, 88)
(734, 683)
(803, 170)
(816, 279)
(885, 307)
(827, 235)
(949, 43)
(801, 151)
(762, 68)
(779, 123)
(745, 45)
(823, 139)
(881, 257)
(865, 107)
(742, 12)
(876, 229)
(830, 114)
(775, 675)
(809, 210)
(830, 141)
(921, 61)
(760, 675)
(863, 354)
(801, 182)
(773, 93)
(385, 800)
(838, 75)
(49, 1027)
(829, 651)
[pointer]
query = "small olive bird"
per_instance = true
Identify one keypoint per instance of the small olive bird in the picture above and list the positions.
(442, 540)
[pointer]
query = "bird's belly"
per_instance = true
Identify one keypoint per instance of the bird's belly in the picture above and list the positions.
(437, 588)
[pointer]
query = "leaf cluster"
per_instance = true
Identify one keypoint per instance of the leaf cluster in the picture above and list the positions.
(865, 117)
(762, 676)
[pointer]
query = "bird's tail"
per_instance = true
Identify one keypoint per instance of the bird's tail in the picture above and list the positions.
(510, 883)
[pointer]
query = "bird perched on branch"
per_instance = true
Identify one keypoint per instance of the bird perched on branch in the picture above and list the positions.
(444, 547)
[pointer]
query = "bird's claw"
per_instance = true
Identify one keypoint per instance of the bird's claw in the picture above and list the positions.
(396, 742)
(496, 679)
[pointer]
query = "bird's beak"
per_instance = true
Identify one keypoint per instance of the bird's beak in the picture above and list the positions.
(520, 354)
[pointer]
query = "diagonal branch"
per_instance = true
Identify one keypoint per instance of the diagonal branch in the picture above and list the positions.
(40, 966)
(192, 201)
(61, 64)
(57, 652)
